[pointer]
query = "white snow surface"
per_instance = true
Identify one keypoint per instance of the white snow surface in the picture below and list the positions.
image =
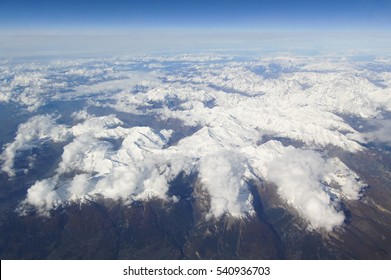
(240, 111)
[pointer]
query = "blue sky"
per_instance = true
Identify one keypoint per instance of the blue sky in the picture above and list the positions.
(197, 25)
(220, 14)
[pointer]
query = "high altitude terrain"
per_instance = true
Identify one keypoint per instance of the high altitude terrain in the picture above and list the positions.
(196, 156)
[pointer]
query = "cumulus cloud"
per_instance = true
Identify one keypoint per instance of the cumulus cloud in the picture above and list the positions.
(298, 175)
(43, 195)
(222, 175)
(37, 128)
(86, 154)
(121, 182)
(78, 187)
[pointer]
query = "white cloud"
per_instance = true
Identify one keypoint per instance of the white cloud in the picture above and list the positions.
(348, 180)
(122, 84)
(35, 129)
(222, 174)
(298, 175)
(304, 179)
(43, 195)
(79, 186)
(154, 185)
(382, 133)
(85, 154)
(121, 182)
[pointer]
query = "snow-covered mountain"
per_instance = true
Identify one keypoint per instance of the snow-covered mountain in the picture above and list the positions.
(228, 121)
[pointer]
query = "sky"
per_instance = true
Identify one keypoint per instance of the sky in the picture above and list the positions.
(219, 14)
(26, 27)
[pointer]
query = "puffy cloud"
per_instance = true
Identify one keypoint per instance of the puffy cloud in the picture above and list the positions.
(298, 175)
(121, 182)
(78, 186)
(308, 182)
(37, 128)
(222, 175)
(43, 195)
(154, 185)
(85, 154)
